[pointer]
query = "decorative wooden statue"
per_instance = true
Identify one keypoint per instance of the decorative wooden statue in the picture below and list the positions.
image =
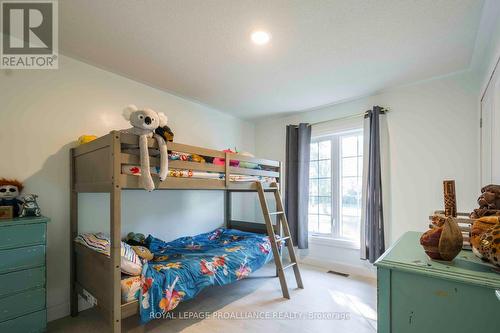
(444, 241)
(450, 198)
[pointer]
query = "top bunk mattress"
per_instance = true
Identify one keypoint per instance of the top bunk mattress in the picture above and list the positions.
(135, 170)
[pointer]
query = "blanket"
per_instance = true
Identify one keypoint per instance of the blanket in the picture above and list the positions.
(182, 268)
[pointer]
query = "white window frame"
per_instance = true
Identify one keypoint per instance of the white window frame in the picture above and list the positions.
(334, 135)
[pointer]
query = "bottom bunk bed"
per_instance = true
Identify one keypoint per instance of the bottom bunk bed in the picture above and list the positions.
(178, 271)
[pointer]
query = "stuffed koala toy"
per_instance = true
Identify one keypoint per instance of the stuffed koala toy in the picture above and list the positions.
(144, 123)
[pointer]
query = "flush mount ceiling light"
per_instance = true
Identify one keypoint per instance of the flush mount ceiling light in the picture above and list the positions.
(260, 37)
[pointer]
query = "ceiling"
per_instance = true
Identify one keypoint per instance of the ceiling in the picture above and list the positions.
(321, 52)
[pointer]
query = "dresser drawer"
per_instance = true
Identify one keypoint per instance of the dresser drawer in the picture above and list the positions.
(22, 258)
(22, 280)
(31, 323)
(23, 303)
(21, 235)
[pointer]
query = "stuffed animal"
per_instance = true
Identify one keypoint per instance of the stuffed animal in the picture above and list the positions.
(488, 201)
(143, 252)
(135, 239)
(248, 165)
(9, 192)
(30, 206)
(144, 124)
(165, 132)
(485, 238)
(86, 138)
(222, 161)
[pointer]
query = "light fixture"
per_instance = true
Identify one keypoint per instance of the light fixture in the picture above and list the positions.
(260, 37)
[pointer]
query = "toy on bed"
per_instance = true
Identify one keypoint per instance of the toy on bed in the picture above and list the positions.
(222, 161)
(9, 193)
(248, 165)
(86, 138)
(135, 239)
(144, 124)
(143, 252)
(177, 156)
(165, 132)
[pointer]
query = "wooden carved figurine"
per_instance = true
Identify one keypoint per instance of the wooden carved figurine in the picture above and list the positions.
(450, 198)
(443, 242)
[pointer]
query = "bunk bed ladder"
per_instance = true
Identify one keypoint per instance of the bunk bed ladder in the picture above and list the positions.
(280, 214)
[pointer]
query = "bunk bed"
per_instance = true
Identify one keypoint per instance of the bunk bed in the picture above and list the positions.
(101, 166)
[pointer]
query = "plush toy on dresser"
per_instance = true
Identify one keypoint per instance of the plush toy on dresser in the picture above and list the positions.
(485, 239)
(488, 201)
(485, 230)
(30, 206)
(9, 193)
(144, 124)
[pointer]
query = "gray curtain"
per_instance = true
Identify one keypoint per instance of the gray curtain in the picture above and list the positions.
(298, 140)
(374, 242)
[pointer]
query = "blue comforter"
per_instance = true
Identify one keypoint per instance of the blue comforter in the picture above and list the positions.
(182, 268)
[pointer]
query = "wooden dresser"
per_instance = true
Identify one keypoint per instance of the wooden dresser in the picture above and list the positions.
(23, 275)
(416, 294)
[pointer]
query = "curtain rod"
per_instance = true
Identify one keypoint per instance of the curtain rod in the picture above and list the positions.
(361, 114)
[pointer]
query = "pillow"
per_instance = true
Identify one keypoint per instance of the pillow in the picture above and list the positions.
(143, 252)
(248, 165)
(130, 288)
(130, 263)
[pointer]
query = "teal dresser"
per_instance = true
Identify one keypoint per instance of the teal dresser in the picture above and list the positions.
(22, 275)
(416, 294)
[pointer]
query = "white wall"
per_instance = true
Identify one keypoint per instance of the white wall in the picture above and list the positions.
(485, 62)
(44, 111)
(488, 43)
(433, 135)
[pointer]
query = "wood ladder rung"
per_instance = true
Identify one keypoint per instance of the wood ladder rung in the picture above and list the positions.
(282, 239)
(290, 265)
(277, 213)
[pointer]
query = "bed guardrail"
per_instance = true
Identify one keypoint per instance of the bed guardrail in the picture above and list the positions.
(268, 168)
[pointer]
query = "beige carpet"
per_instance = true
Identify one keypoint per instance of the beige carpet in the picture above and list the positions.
(339, 304)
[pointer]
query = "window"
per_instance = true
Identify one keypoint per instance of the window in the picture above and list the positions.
(335, 182)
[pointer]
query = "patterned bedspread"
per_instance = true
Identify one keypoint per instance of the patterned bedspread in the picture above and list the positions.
(185, 266)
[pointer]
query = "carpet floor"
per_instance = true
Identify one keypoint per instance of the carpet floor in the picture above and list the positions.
(329, 303)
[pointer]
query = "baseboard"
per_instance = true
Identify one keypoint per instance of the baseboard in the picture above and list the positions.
(341, 267)
(58, 311)
(62, 310)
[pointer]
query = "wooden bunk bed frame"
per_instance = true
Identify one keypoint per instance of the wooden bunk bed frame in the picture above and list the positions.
(96, 168)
